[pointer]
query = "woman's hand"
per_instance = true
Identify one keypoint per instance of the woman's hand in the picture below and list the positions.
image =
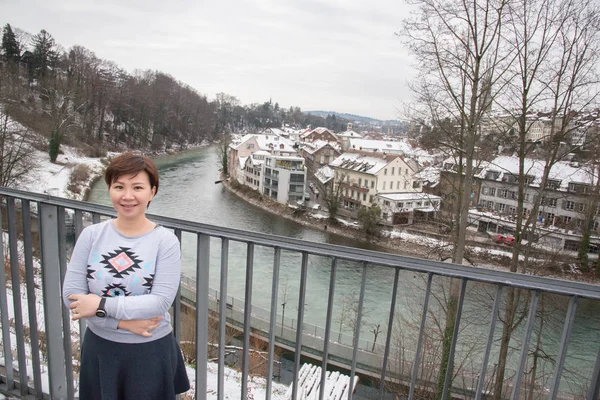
(83, 305)
(140, 327)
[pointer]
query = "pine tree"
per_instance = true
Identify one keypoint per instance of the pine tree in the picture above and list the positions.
(10, 47)
(44, 53)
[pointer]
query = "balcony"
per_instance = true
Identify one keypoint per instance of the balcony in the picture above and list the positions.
(402, 308)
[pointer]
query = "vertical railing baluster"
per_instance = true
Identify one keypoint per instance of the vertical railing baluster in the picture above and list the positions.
(223, 316)
(298, 349)
(6, 346)
(450, 367)
(15, 276)
(62, 257)
(53, 306)
(177, 301)
(594, 389)
(525, 347)
(273, 319)
(247, 318)
(328, 319)
(31, 298)
(202, 276)
(95, 218)
(361, 300)
(388, 337)
(562, 350)
(488, 347)
(415, 368)
(78, 226)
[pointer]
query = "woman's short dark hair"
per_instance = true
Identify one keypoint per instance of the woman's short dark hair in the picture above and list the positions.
(131, 164)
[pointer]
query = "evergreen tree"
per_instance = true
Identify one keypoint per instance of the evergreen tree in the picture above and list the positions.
(44, 53)
(10, 47)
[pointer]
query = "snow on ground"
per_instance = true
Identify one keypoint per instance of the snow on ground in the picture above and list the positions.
(54, 178)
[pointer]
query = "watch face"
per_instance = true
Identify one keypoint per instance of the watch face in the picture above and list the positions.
(100, 313)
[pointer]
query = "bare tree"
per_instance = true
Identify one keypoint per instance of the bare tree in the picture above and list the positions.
(460, 53)
(15, 152)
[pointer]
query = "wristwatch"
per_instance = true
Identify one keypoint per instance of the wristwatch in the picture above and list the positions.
(101, 312)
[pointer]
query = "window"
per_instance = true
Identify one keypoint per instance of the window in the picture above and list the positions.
(408, 204)
(552, 184)
(400, 204)
(406, 171)
(392, 170)
(364, 197)
(366, 183)
(385, 171)
(416, 184)
(548, 201)
(371, 198)
(384, 185)
(502, 193)
(296, 177)
(418, 204)
(569, 205)
(372, 184)
(484, 190)
(384, 215)
(359, 181)
(492, 192)
(500, 207)
(386, 203)
(250, 146)
(398, 185)
(490, 205)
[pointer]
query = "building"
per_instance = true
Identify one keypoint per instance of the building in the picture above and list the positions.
(564, 204)
(284, 178)
(318, 153)
(321, 133)
(372, 179)
(251, 143)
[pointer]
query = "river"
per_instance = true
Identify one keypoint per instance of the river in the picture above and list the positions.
(188, 191)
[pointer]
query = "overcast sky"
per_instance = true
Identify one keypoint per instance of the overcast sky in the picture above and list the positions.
(339, 55)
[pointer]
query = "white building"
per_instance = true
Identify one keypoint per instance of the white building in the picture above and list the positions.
(284, 178)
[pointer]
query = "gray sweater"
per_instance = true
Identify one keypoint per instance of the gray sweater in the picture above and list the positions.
(139, 276)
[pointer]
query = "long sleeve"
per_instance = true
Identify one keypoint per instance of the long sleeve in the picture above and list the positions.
(75, 279)
(165, 284)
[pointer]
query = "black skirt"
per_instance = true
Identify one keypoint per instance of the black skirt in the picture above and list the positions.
(125, 371)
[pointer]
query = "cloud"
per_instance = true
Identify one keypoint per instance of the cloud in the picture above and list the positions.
(316, 54)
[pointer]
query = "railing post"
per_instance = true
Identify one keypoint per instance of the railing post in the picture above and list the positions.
(53, 307)
(202, 267)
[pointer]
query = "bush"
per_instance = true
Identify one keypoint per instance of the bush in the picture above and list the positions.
(79, 178)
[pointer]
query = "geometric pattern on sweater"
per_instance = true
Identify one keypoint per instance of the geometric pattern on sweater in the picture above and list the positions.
(115, 290)
(121, 262)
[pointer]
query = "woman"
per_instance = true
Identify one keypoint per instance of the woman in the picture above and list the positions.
(122, 278)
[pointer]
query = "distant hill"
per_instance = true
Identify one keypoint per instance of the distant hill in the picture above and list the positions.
(357, 118)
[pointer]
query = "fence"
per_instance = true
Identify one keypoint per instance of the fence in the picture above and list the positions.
(40, 365)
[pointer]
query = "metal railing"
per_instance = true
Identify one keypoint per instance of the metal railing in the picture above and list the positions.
(405, 358)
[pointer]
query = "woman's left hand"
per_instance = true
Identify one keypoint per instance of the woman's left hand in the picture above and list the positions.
(83, 305)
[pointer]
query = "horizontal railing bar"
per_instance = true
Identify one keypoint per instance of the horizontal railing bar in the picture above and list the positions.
(550, 285)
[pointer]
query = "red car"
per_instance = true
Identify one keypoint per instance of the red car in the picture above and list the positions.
(498, 238)
(509, 240)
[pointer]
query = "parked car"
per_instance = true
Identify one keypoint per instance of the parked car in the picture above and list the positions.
(498, 238)
(509, 240)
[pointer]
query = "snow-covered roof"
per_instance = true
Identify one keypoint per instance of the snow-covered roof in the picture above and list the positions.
(269, 142)
(242, 161)
(506, 168)
(408, 196)
(325, 174)
(350, 134)
(429, 174)
(312, 147)
(316, 130)
(382, 146)
(360, 163)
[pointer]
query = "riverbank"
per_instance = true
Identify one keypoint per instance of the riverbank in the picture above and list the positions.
(339, 227)
(407, 242)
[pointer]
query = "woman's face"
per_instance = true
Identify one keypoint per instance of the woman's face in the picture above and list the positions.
(130, 195)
